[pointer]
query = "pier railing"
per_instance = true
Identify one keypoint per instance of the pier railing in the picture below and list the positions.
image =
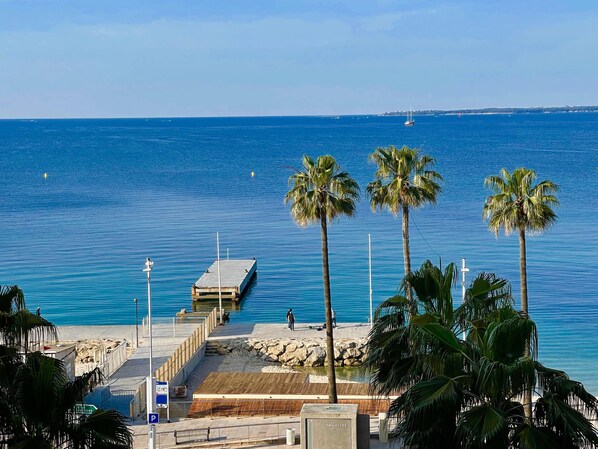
(176, 361)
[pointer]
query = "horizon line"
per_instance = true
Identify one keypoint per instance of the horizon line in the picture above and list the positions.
(496, 110)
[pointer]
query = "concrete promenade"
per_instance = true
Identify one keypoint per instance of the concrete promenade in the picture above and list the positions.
(280, 330)
(229, 432)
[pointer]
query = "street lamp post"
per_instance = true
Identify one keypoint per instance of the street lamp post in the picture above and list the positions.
(151, 381)
(370, 271)
(136, 322)
(464, 270)
(219, 279)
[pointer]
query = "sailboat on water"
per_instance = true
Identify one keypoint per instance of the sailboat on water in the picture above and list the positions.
(410, 121)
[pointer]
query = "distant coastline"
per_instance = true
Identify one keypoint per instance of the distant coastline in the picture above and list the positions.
(490, 111)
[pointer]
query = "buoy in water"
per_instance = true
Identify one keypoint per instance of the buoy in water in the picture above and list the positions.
(45, 176)
(252, 174)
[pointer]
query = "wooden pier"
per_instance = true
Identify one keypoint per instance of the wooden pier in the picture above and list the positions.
(235, 277)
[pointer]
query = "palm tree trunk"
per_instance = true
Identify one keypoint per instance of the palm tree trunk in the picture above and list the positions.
(523, 271)
(407, 256)
(332, 396)
(527, 396)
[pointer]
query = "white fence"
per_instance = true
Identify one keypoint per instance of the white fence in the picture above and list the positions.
(108, 362)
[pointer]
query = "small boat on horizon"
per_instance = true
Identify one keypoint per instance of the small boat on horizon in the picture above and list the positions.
(410, 121)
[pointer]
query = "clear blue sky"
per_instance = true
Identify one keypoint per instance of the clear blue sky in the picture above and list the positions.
(139, 58)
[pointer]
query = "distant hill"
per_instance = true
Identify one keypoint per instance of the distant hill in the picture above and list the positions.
(541, 110)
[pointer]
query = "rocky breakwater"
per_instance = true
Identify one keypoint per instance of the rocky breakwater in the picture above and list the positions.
(296, 352)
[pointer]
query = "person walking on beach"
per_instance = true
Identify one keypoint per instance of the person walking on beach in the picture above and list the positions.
(333, 313)
(291, 319)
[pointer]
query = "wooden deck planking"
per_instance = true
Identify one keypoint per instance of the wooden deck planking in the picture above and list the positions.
(227, 383)
(223, 384)
(222, 394)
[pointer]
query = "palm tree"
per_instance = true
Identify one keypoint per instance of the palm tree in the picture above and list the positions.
(36, 397)
(519, 205)
(461, 393)
(401, 354)
(39, 402)
(404, 181)
(18, 326)
(320, 193)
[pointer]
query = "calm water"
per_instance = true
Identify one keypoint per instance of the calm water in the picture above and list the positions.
(118, 191)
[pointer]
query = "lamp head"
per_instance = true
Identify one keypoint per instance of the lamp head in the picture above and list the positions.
(148, 265)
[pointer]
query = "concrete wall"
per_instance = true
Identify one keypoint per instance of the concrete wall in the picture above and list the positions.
(189, 367)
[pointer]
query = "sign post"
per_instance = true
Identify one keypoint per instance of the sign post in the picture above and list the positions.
(162, 400)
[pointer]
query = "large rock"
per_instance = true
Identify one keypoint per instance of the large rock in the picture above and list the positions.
(301, 354)
(316, 357)
(351, 362)
(352, 353)
(276, 350)
(296, 352)
(286, 357)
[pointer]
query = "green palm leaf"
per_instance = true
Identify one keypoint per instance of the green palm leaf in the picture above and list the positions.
(528, 437)
(105, 429)
(438, 392)
(481, 424)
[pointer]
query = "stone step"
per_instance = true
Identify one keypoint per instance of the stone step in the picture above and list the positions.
(211, 349)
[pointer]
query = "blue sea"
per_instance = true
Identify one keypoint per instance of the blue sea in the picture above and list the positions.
(118, 191)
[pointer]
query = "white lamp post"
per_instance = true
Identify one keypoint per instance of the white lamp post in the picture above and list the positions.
(150, 381)
(370, 265)
(464, 270)
(219, 279)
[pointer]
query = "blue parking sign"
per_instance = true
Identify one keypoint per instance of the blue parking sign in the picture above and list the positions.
(153, 418)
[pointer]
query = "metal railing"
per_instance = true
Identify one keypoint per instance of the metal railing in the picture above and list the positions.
(187, 349)
(226, 436)
(114, 359)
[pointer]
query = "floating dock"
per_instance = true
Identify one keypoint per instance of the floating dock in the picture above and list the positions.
(235, 277)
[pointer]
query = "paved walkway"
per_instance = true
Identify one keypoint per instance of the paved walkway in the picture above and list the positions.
(302, 330)
(74, 333)
(227, 430)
